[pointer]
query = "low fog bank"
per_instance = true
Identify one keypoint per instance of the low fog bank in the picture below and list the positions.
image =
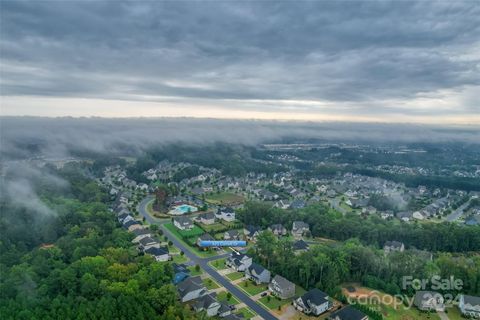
(55, 137)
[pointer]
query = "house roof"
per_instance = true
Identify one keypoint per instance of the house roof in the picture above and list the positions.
(232, 232)
(252, 229)
(147, 240)
(394, 244)
(130, 223)
(315, 296)
(206, 237)
(471, 300)
(300, 245)
(207, 216)
(282, 282)
(226, 210)
(184, 221)
(277, 227)
(256, 269)
(157, 251)
(300, 225)
(204, 302)
(348, 313)
(189, 285)
(139, 232)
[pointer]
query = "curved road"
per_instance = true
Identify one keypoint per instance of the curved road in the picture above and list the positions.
(203, 263)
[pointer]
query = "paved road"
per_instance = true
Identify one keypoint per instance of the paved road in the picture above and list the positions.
(203, 263)
(457, 213)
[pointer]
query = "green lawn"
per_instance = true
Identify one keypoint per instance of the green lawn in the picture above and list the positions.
(224, 198)
(210, 284)
(213, 228)
(222, 296)
(193, 248)
(274, 302)
(246, 312)
(219, 264)
(234, 275)
(194, 272)
(251, 288)
(179, 258)
(194, 232)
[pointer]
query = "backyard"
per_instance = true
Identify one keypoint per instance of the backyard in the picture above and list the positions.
(252, 288)
(224, 198)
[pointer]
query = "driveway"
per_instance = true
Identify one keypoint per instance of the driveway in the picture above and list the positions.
(203, 263)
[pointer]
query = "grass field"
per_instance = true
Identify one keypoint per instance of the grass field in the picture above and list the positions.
(234, 275)
(213, 228)
(224, 198)
(251, 288)
(219, 264)
(247, 313)
(274, 302)
(210, 284)
(222, 296)
(194, 232)
(194, 272)
(179, 258)
(378, 301)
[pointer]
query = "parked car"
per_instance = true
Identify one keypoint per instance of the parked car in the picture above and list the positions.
(264, 294)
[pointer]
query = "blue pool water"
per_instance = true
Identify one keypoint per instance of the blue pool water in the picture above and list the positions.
(184, 208)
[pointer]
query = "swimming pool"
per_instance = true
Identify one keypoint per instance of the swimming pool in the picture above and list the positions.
(182, 209)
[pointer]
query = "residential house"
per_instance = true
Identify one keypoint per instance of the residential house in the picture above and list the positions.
(183, 223)
(251, 232)
(124, 217)
(159, 253)
(300, 246)
(257, 273)
(281, 287)
(391, 246)
(299, 228)
(429, 300)
(191, 288)
(469, 306)
(206, 218)
(278, 230)
(181, 272)
(207, 303)
(297, 204)
(231, 235)
(238, 261)
(224, 310)
(226, 214)
(147, 242)
(405, 215)
(140, 234)
(132, 225)
(282, 204)
(314, 302)
(348, 313)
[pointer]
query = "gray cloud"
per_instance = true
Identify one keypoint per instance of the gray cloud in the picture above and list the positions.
(366, 53)
(58, 136)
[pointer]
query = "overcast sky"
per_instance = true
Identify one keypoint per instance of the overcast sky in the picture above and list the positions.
(382, 61)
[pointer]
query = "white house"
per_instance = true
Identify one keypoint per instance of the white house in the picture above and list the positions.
(207, 303)
(160, 254)
(313, 302)
(238, 261)
(281, 287)
(191, 288)
(183, 223)
(226, 214)
(469, 306)
(257, 273)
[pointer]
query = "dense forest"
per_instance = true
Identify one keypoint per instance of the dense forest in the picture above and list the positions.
(372, 230)
(77, 263)
(326, 266)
